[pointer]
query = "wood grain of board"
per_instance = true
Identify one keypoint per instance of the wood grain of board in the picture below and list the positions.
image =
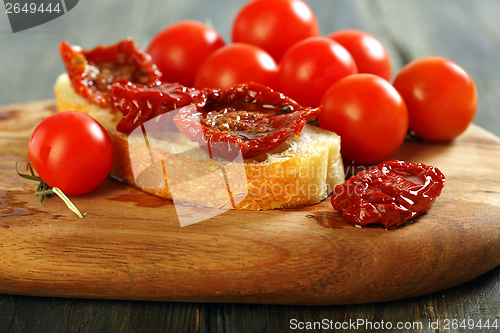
(131, 246)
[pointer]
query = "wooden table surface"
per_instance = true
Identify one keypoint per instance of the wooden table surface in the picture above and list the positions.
(465, 31)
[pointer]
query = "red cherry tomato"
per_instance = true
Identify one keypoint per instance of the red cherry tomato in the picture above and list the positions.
(368, 52)
(237, 63)
(179, 49)
(311, 66)
(72, 151)
(441, 97)
(368, 114)
(274, 25)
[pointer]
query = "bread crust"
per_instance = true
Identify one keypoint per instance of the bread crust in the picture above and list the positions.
(301, 172)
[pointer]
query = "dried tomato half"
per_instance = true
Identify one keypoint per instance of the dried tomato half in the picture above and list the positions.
(252, 116)
(140, 103)
(93, 72)
(390, 194)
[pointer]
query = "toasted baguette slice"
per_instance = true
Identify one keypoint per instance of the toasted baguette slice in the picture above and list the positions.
(301, 172)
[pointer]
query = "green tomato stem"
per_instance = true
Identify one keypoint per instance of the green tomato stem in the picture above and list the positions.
(60, 194)
(45, 190)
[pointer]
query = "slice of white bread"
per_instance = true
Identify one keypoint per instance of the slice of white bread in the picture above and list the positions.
(300, 172)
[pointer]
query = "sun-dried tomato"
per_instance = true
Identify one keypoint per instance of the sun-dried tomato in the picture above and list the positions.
(252, 116)
(390, 194)
(140, 103)
(92, 72)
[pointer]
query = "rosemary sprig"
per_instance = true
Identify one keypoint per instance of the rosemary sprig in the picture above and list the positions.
(44, 190)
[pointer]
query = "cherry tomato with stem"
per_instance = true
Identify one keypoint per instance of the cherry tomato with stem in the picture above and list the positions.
(368, 52)
(311, 66)
(368, 114)
(179, 49)
(440, 95)
(237, 63)
(71, 151)
(274, 25)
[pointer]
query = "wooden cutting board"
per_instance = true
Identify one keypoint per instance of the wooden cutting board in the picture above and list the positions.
(130, 244)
